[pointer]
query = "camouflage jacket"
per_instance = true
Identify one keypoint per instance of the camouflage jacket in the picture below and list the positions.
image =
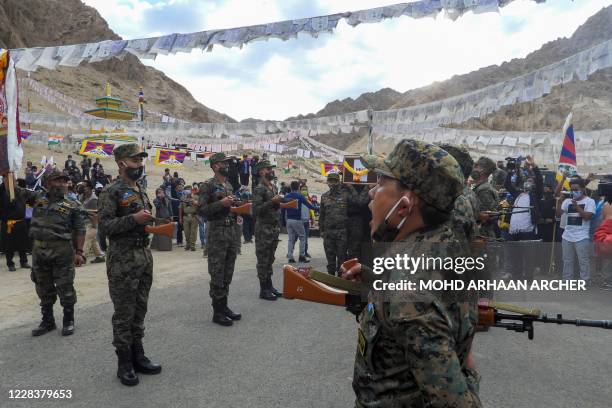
(264, 210)
(117, 202)
(488, 200)
(412, 346)
(210, 194)
(333, 213)
(54, 220)
(466, 211)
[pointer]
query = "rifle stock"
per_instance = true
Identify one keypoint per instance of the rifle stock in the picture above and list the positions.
(289, 204)
(242, 210)
(298, 286)
(164, 229)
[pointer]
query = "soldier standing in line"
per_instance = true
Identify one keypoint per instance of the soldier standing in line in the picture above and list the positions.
(333, 221)
(487, 196)
(215, 200)
(414, 346)
(266, 205)
(123, 211)
(58, 231)
(188, 219)
(359, 215)
(467, 206)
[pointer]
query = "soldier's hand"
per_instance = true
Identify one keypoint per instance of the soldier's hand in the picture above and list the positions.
(143, 217)
(227, 201)
(79, 260)
(351, 270)
(469, 361)
(277, 199)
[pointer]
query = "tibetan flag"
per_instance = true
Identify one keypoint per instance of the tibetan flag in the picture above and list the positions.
(55, 140)
(327, 167)
(170, 158)
(100, 150)
(567, 158)
(24, 134)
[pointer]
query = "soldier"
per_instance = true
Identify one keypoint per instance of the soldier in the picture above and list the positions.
(333, 221)
(487, 196)
(467, 206)
(266, 205)
(215, 200)
(58, 231)
(414, 346)
(188, 218)
(123, 211)
(359, 217)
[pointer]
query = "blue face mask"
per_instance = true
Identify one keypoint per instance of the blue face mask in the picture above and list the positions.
(576, 194)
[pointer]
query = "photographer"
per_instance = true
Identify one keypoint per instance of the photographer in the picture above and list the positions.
(523, 219)
(576, 237)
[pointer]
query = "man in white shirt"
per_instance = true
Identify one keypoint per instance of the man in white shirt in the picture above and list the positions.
(576, 237)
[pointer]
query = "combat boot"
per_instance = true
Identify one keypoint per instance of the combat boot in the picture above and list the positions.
(48, 321)
(264, 291)
(274, 291)
(228, 312)
(68, 323)
(125, 369)
(204, 251)
(219, 316)
(141, 363)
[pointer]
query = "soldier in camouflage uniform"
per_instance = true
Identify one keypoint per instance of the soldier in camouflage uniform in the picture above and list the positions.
(58, 231)
(333, 221)
(215, 200)
(467, 206)
(487, 196)
(188, 212)
(414, 346)
(359, 214)
(123, 211)
(266, 205)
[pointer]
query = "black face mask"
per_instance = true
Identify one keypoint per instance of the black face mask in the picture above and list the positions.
(475, 175)
(224, 171)
(57, 192)
(134, 173)
(270, 176)
(385, 232)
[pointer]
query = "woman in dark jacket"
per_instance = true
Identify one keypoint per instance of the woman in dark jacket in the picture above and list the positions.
(163, 215)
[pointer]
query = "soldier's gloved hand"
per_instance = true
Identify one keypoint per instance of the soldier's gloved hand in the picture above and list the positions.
(143, 217)
(227, 201)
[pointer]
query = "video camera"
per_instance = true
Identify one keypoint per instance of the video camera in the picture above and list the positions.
(513, 163)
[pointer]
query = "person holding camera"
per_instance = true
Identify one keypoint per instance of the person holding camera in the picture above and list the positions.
(576, 240)
(523, 219)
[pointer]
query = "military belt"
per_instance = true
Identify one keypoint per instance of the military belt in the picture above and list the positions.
(226, 222)
(57, 243)
(132, 242)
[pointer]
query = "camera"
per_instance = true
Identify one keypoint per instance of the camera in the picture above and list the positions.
(513, 163)
(604, 189)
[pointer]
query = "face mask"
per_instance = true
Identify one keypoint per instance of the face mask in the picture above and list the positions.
(305, 193)
(270, 176)
(576, 194)
(527, 186)
(385, 232)
(57, 192)
(475, 175)
(134, 173)
(224, 171)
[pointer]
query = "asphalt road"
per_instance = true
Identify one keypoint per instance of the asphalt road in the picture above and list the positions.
(289, 353)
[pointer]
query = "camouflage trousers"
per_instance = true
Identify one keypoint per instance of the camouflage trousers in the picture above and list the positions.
(266, 241)
(355, 231)
(222, 243)
(130, 275)
(53, 272)
(190, 226)
(335, 243)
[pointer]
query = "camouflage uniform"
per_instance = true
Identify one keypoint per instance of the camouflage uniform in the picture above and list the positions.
(190, 221)
(413, 345)
(129, 264)
(487, 197)
(221, 240)
(267, 228)
(333, 222)
(358, 211)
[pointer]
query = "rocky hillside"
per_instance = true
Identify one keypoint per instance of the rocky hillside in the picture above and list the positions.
(591, 101)
(29, 23)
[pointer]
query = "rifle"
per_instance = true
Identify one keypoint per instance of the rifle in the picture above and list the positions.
(242, 209)
(309, 284)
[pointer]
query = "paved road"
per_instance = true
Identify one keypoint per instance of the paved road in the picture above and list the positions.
(288, 354)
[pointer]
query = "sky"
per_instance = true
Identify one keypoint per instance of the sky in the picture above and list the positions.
(276, 79)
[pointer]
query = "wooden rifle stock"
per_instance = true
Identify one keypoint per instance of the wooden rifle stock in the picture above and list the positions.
(163, 229)
(242, 209)
(300, 286)
(289, 204)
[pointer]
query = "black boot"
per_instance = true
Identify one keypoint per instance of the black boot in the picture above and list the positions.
(141, 363)
(68, 322)
(228, 312)
(264, 291)
(274, 291)
(219, 316)
(48, 321)
(125, 369)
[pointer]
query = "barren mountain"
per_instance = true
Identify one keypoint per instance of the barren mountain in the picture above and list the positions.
(591, 100)
(31, 23)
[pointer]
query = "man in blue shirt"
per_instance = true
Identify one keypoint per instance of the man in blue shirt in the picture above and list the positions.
(295, 225)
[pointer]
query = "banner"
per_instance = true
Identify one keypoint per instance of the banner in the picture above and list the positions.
(360, 173)
(97, 149)
(327, 167)
(567, 157)
(170, 158)
(4, 161)
(55, 140)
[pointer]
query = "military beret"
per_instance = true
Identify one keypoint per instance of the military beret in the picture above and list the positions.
(264, 164)
(462, 156)
(425, 169)
(127, 150)
(218, 158)
(486, 164)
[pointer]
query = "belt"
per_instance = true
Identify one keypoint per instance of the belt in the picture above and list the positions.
(226, 222)
(132, 242)
(50, 243)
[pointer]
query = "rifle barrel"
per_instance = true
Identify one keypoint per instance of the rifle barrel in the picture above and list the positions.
(602, 324)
